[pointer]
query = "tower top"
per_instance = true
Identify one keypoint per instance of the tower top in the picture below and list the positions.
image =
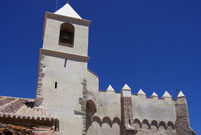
(67, 10)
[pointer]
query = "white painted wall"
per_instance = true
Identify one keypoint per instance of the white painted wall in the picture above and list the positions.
(51, 38)
(153, 109)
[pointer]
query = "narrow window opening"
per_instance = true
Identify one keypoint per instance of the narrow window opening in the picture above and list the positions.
(55, 85)
(65, 63)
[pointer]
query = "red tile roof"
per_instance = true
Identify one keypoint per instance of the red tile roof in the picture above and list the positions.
(13, 107)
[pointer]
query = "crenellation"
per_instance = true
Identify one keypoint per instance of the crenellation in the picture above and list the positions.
(126, 87)
(181, 94)
(146, 127)
(154, 94)
(110, 88)
(141, 92)
(126, 91)
(166, 95)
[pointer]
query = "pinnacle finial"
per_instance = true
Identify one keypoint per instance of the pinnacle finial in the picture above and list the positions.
(67, 10)
(126, 87)
(154, 95)
(181, 94)
(166, 95)
(141, 92)
(110, 88)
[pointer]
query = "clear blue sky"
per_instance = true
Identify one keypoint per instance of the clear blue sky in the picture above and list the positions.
(150, 44)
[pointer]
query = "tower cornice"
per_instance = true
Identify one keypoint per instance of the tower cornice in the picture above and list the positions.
(64, 55)
(65, 19)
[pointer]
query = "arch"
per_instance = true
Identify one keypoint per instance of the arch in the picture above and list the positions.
(154, 123)
(97, 119)
(162, 124)
(116, 120)
(136, 121)
(146, 122)
(170, 124)
(67, 32)
(107, 120)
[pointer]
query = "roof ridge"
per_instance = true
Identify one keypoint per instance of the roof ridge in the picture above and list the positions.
(17, 97)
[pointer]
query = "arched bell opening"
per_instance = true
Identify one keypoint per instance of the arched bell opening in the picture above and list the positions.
(66, 37)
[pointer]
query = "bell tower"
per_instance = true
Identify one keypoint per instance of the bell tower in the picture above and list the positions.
(65, 31)
(63, 67)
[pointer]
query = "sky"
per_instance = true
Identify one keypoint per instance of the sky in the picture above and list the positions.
(154, 45)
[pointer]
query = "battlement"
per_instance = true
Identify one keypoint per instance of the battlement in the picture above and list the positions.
(127, 92)
(139, 112)
(141, 107)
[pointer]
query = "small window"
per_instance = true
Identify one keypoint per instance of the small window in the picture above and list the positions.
(65, 62)
(55, 85)
(66, 35)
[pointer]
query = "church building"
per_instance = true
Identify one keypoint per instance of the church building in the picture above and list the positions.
(68, 100)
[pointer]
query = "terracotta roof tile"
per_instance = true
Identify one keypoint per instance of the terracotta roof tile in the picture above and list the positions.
(22, 108)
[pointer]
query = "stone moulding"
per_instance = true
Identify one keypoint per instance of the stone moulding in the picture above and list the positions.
(63, 55)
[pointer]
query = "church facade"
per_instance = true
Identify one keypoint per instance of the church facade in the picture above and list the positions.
(68, 100)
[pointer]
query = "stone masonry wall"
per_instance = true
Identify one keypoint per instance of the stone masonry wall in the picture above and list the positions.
(39, 97)
(182, 122)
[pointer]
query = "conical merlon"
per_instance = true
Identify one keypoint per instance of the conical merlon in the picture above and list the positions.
(181, 94)
(166, 95)
(126, 87)
(154, 95)
(67, 10)
(110, 88)
(141, 92)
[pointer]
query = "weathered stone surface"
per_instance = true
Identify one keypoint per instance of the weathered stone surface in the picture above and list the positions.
(182, 122)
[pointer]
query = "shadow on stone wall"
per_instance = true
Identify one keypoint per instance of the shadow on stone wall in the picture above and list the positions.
(153, 127)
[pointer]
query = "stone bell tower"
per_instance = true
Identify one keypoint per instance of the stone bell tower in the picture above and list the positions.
(62, 69)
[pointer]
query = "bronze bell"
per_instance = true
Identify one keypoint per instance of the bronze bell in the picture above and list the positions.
(66, 36)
